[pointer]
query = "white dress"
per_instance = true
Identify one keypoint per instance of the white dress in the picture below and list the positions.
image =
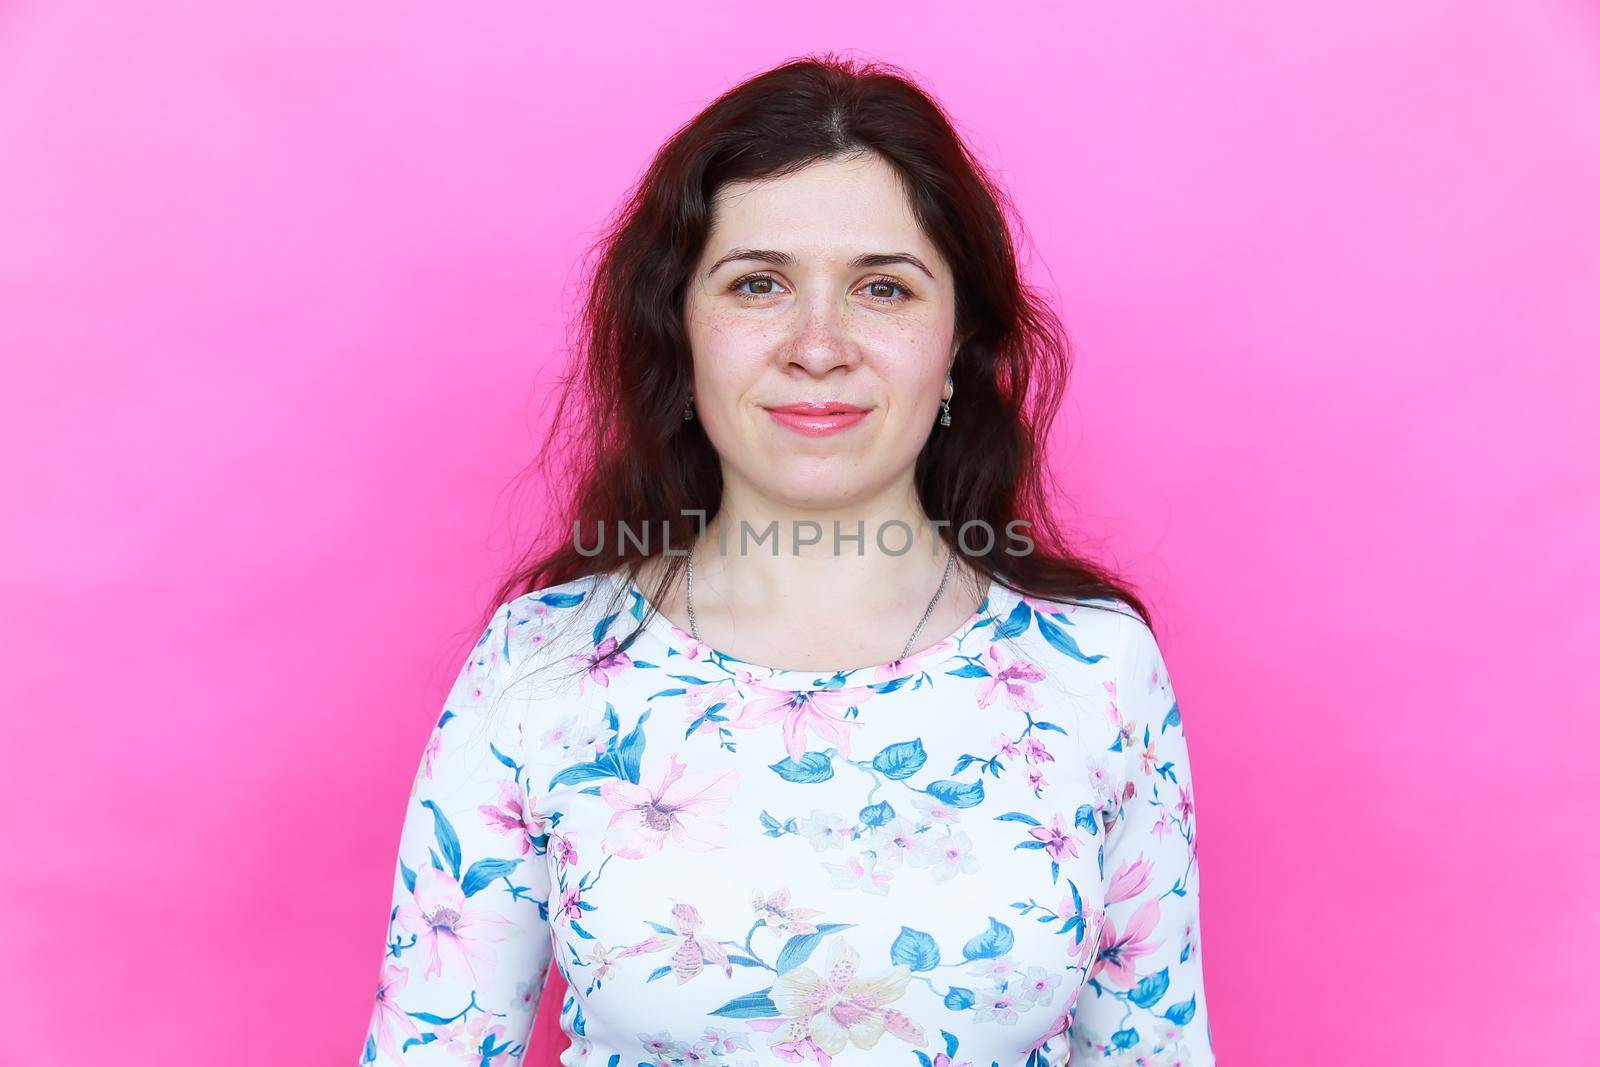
(983, 854)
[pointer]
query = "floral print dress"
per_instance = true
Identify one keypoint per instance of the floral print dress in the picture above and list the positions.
(983, 854)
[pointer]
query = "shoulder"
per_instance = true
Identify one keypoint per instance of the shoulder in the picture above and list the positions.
(1090, 630)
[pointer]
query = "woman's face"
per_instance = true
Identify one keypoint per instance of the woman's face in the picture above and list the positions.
(785, 307)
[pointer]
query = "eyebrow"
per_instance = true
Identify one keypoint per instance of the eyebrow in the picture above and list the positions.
(784, 259)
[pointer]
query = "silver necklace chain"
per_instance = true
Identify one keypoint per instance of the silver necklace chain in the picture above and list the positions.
(949, 564)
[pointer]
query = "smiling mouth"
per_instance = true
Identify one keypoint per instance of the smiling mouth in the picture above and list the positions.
(818, 418)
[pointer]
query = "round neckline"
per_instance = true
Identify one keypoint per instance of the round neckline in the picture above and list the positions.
(942, 651)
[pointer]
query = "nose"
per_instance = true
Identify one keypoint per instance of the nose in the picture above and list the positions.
(822, 339)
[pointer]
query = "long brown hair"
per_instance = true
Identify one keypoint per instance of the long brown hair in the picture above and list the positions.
(619, 453)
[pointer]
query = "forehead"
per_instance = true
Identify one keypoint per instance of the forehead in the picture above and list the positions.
(833, 205)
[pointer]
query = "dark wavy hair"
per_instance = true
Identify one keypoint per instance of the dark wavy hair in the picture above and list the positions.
(619, 450)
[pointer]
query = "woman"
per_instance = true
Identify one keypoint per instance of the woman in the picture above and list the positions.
(872, 765)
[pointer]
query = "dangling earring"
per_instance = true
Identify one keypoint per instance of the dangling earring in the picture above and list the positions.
(944, 416)
(688, 409)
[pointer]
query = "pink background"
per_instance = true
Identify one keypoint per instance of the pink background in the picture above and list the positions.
(283, 285)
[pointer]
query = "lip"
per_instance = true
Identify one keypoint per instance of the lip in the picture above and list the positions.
(818, 418)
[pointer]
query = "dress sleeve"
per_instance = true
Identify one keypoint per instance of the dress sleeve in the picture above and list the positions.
(1144, 1001)
(468, 940)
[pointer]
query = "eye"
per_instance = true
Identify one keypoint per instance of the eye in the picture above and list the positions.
(754, 279)
(889, 283)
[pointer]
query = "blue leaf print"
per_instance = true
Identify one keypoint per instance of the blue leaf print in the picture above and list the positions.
(485, 871)
(410, 877)
(922, 1057)
(632, 749)
(449, 844)
(959, 998)
(1172, 719)
(1062, 641)
(900, 760)
(798, 948)
(1085, 818)
(659, 972)
(950, 1043)
(583, 772)
(1016, 622)
(600, 629)
(757, 1005)
(503, 758)
(562, 600)
(1182, 1013)
(995, 941)
(1017, 816)
(971, 670)
(1150, 989)
(877, 814)
(810, 768)
(915, 949)
(1125, 1038)
(957, 794)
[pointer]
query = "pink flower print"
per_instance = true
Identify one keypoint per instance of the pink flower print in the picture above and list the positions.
(827, 830)
(1185, 803)
(997, 1004)
(698, 698)
(859, 872)
(1129, 880)
(568, 907)
(1118, 952)
(1004, 746)
(1014, 678)
(722, 1042)
(691, 950)
(677, 807)
(815, 710)
(506, 817)
(1057, 838)
(946, 855)
(692, 646)
(1147, 758)
(603, 663)
(1036, 752)
(1036, 780)
(527, 993)
(942, 1060)
(803, 1049)
(782, 917)
(1162, 826)
(390, 1021)
(452, 930)
(431, 752)
(1105, 790)
(1038, 986)
(1127, 729)
(466, 1037)
(1048, 607)
(840, 1006)
(935, 809)
(566, 851)
(599, 961)
(1093, 920)
(894, 842)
